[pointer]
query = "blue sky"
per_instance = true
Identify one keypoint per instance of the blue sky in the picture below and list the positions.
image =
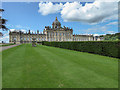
(35, 16)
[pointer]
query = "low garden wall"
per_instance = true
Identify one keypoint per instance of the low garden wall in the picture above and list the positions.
(106, 48)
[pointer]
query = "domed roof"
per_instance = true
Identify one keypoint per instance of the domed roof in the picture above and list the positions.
(56, 22)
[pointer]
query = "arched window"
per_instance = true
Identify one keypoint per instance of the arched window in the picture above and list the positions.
(21, 38)
(14, 38)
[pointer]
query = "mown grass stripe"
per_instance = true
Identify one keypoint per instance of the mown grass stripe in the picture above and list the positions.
(49, 67)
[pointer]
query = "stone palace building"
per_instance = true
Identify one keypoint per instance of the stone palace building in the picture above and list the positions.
(54, 33)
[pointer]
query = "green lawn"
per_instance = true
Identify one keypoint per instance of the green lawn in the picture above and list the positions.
(25, 66)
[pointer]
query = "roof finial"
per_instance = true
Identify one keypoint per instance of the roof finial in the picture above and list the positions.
(56, 18)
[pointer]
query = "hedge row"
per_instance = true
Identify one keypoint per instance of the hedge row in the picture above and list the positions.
(106, 48)
(6, 44)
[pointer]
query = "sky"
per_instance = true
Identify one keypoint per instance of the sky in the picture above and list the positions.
(84, 18)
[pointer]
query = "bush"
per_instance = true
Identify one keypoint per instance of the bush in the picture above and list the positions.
(106, 48)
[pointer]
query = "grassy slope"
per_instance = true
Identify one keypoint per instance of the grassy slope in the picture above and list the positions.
(49, 67)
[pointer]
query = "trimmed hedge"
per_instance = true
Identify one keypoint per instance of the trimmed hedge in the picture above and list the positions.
(7, 44)
(106, 48)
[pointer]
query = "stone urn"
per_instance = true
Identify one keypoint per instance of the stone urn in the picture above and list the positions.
(34, 42)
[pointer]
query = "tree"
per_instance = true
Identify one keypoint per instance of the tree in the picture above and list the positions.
(1, 34)
(2, 22)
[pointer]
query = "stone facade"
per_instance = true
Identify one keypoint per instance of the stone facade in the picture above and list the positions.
(54, 33)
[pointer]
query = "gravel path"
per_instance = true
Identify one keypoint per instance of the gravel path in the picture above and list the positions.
(6, 47)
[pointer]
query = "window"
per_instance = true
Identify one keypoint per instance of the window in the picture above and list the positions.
(60, 38)
(21, 38)
(66, 34)
(14, 38)
(27, 38)
(56, 39)
(39, 39)
(60, 34)
(24, 38)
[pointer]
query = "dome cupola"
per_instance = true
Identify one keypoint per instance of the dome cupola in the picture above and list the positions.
(56, 23)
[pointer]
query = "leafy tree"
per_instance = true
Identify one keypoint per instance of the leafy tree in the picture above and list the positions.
(1, 34)
(112, 37)
(2, 22)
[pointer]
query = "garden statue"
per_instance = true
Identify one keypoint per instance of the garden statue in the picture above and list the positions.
(34, 42)
(14, 41)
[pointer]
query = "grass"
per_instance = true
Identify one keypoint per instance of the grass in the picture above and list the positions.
(25, 66)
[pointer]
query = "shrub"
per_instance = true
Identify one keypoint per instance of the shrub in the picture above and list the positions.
(106, 48)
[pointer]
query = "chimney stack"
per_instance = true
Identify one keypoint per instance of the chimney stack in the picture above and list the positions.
(37, 31)
(29, 31)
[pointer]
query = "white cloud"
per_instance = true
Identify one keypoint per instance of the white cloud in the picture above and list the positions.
(23, 30)
(112, 23)
(12, 30)
(17, 26)
(108, 0)
(9, 25)
(98, 30)
(5, 38)
(96, 35)
(90, 13)
(20, 27)
(111, 32)
(49, 8)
